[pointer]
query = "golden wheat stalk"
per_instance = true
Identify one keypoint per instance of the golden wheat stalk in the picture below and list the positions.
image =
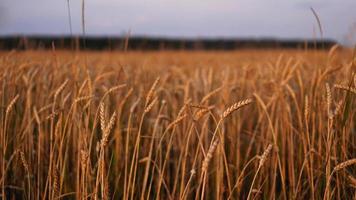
(60, 89)
(338, 108)
(11, 104)
(56, 189)
(175, 122)
(102, 117)
(345, 164)
(235, 107)
(115, 88)
(352, 181)
(24, 162)
(209, 155)
(328, 100)
(263, 159)
(265, 155)
(180, 112)
(151, 92)
(83, 98)
(337, 168)
(111, 123)
(210, 94)
(37, 117)
(52, 115)
(197, 106)
(150, 106)
(306, 108)
(107, 130)
(346, 88)
(200, 113)
(84, 156)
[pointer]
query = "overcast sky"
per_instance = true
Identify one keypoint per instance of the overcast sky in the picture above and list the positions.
(181, 18)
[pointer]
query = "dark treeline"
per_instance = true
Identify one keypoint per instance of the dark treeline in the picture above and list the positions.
(146, 43)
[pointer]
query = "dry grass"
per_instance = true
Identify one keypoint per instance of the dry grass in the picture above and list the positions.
(178, 125)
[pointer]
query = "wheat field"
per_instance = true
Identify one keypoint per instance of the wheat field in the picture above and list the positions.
(249, 124)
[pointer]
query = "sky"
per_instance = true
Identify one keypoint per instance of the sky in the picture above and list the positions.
(283, 19)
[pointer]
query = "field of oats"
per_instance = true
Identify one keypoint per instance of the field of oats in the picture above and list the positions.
(249, 124)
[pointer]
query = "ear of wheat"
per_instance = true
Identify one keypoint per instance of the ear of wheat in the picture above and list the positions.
(24, 162)
(83, 98)
(210, 94)
(338, 108)
(345, 164)
(265, 155)
(181, 111)
(102, 117)
(306, 108)
(11, 104)
(176, 121)
(115, 88)
(151, 92)
(201, 113)
(107, 130)
(84, 159)
(346, 88)
(60, 89)
(111, 123)
(150, 106)
(263, 159)
(235, 107)
(56, 190)
(328, 100)
(209, 155)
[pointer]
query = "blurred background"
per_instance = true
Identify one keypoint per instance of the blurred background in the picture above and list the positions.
(227, 20)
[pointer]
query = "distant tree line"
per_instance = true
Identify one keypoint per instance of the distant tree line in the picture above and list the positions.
(147, 43)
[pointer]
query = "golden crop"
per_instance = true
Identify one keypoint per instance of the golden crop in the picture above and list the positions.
(256, 124)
